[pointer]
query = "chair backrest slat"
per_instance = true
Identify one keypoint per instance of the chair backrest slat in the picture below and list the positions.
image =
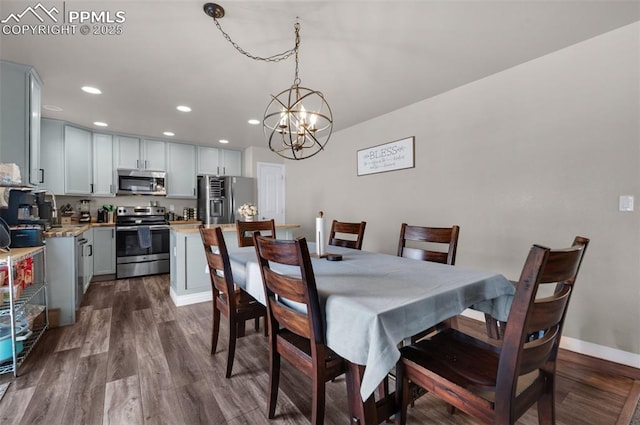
(340, 230)
(297, 285)
(428, 238)
(245, 230)
(217, 257)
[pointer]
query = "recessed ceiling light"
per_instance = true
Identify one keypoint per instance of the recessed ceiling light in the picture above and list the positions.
(169, 133)
(53, 108)
(100, 124)
(183, 108)
(92, 90)
(254, 122)
(223, 141)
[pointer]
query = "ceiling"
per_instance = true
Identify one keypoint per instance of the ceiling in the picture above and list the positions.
(367, 57)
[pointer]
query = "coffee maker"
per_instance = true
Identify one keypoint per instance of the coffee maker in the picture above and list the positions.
(85, 211)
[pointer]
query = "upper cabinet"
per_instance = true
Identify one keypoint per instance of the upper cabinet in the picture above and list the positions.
(78, 161)
(52, 156)
(103, 175)
(20, 119)
(181, 170)
(131, 153)
(221, 162)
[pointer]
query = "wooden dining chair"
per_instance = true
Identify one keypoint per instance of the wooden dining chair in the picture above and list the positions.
(340, 230)
(495, 328)
(494, 384)
(424, 241)
(245, 230)
(232, 302)
(298, 335)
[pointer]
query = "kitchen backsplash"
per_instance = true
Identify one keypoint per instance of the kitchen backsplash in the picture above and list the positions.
(129, 201)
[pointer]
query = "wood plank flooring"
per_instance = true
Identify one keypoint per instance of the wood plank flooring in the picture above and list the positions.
(134, 358)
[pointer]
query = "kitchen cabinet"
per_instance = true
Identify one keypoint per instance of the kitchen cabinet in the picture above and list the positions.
(220, 162)
(189, 272)
(132, 153)
(78, 161)
(23, 268)
(65, 274)
(52, 156)
(181, 170)
(104, 250)
(87, 256)
(20, 106)
(103, 175)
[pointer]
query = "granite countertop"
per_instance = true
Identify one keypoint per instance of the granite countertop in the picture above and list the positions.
(225, 227)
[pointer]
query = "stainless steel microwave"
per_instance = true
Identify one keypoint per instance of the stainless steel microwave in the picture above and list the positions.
(141, 182)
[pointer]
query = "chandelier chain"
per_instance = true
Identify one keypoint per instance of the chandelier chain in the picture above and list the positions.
(274, 58)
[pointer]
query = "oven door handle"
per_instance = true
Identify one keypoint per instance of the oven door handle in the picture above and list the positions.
(152, 227)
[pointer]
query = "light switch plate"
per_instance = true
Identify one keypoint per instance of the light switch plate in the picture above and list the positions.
(626, 203)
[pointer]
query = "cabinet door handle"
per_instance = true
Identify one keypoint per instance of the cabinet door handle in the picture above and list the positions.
(137, 163)
(91, 250)
(146, 166)
(110, 188)
(218, 171)
(224, 171)
(42, 174)
(91, 187)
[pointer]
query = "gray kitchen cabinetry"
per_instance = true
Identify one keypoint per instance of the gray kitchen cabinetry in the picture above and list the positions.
(104, 250)
(132, 153)
(87, 257)
(220, 162)
(103, 175)
(78, 161)
(52, 156)
(64, 255)
(188, 265)
(181, 170)
(20, 106)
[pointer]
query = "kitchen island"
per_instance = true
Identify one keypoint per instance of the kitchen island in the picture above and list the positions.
(190, 281)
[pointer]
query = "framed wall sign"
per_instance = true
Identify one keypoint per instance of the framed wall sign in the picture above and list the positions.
(391, 156)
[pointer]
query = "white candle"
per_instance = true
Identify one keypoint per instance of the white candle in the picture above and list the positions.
(320, 240)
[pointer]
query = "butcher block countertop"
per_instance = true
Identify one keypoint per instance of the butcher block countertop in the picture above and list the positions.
(225, 227)
(65, 231)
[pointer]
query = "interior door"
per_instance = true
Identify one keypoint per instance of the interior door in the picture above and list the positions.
(271, 191)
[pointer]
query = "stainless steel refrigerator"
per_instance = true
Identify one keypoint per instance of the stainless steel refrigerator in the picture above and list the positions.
(219, 197)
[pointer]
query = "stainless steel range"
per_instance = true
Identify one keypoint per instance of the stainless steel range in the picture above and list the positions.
(142, 241)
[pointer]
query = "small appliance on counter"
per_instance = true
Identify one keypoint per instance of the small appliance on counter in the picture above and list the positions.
(106, 214)
(84, 208)
(23, 217)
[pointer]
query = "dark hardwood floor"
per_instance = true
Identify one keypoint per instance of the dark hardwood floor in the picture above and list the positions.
(134, 358)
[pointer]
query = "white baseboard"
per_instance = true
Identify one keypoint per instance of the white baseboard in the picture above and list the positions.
(180, 300)
(583, 347)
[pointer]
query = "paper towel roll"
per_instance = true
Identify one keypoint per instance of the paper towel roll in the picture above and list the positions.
(320, 239)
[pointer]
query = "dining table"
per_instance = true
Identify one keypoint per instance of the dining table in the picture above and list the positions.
(373, 302)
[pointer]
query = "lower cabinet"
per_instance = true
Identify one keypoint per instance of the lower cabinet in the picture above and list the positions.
(104, 250)
(87, 256)
(190, 282)
(63, 256)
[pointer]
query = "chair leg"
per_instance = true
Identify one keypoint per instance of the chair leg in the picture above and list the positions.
(546, 405)
(274, 381)
(317, 408)
(492, 326)
(233, 337)
(216, 328)
(256, 324)
(402, 395)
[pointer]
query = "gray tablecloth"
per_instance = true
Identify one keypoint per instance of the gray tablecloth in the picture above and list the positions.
(372, 302)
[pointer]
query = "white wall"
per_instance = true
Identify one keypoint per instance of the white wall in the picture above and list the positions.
(538, 153)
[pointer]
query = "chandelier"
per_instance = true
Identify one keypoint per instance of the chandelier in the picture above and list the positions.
(297, 122)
